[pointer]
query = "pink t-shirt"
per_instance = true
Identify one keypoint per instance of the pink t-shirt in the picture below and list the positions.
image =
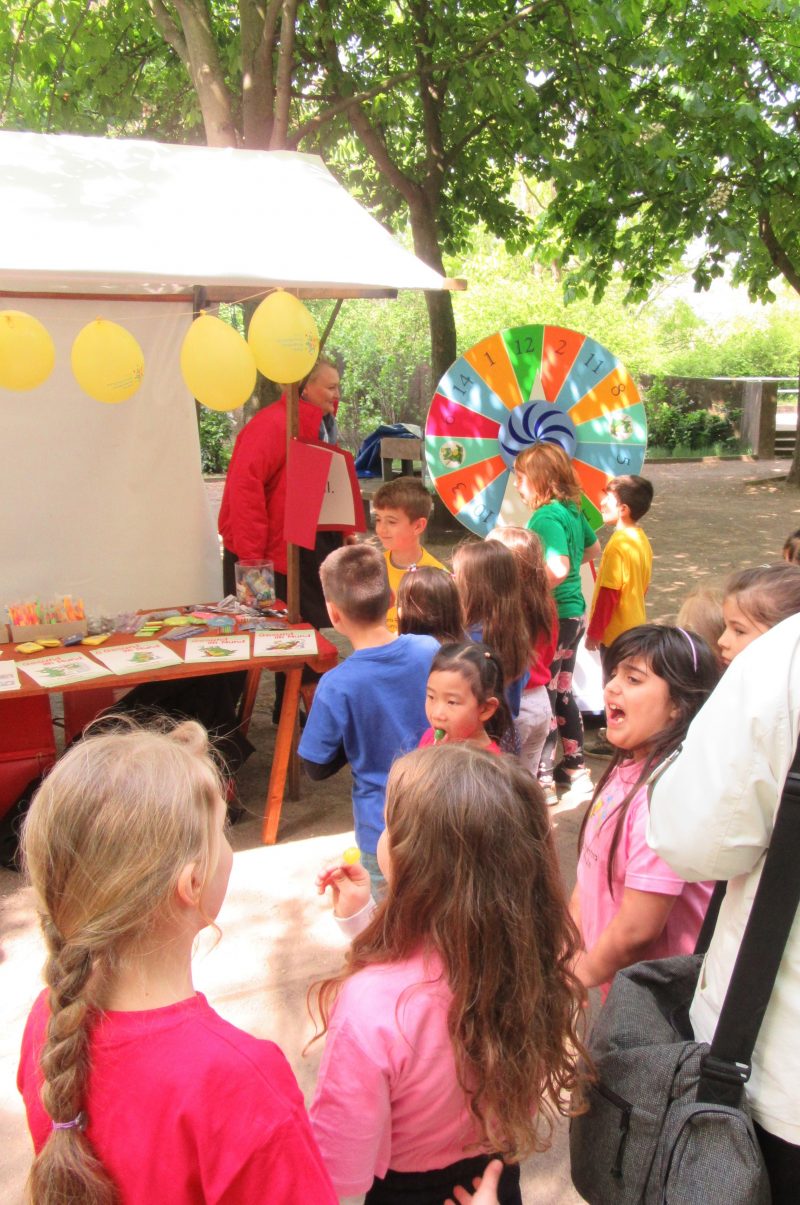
(428, 739)
(183, 1107)
(387, 1093)
(635, 866)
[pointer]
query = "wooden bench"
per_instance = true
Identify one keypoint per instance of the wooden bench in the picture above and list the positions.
(408, 451)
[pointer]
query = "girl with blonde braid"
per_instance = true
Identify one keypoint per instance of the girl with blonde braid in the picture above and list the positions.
(135, 1089)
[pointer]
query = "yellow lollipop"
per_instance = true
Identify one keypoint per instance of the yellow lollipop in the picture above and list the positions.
(351, 856)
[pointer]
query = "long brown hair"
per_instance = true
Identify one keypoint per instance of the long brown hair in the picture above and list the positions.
(428, 604)
(537, 600)
(104, 842)
(475, 879)
(550, 473)
(488, 581)
(690, 670)
(768, 594)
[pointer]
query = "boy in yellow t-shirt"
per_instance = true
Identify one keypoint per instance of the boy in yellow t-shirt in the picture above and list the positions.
(402, 509)
(626, 563)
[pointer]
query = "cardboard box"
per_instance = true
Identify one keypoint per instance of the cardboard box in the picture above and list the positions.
(48, 631)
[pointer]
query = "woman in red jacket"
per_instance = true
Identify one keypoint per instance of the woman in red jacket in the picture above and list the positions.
(254, 501)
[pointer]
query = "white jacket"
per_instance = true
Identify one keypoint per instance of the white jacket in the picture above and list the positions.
(711, 817)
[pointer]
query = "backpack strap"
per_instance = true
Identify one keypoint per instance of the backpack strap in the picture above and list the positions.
(726, 1067)
(710, 919)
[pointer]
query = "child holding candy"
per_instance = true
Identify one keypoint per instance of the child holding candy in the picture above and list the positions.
(452, 1030)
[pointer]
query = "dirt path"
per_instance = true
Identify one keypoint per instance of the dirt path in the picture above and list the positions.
(706, 521)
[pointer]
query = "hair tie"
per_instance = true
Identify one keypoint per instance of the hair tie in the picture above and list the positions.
(487, 655)
(77, 1123)
(691, 646)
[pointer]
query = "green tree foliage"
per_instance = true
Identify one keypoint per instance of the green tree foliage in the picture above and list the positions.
(423, 103)
(681, 133)
(383, 345)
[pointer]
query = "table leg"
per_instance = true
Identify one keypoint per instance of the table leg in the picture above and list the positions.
(280, 757)
(248, 699)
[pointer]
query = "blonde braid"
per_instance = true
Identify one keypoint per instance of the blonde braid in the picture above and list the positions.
(66, 1168)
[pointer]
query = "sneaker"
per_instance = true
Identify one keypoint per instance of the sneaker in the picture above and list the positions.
(550, 793)
(601, 746)
(579, 783)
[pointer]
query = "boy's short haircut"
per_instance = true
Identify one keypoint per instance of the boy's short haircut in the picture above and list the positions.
(407, 494)
(355, 580)
(634, 492)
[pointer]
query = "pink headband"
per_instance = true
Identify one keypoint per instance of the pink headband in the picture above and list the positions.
(691, 646)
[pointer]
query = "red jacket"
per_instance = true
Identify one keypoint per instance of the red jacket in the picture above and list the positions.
(254, 500)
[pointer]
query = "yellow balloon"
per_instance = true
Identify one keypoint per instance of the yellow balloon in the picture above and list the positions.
(27, 353)
(284, 338)
(217, 365)
(107, 362)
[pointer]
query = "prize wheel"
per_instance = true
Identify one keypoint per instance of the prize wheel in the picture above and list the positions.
(526, 385)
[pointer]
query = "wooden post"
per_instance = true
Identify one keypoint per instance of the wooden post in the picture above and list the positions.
(292, 551)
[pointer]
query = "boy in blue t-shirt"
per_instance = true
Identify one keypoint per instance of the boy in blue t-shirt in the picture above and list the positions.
(371, 708)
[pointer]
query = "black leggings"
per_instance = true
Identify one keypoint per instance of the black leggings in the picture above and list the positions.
(433, 1187)
(567, 720)
(783, 1164)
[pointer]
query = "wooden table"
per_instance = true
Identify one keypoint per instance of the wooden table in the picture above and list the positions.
(325, 659)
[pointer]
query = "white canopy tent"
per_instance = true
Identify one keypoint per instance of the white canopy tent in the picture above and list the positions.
(107, 502)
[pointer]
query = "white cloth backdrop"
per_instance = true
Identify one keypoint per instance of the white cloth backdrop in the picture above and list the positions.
(106, 502)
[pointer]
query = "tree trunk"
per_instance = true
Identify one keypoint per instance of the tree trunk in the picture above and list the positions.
(440, 303)
(793, 477)
(206, 71)
(258, 87)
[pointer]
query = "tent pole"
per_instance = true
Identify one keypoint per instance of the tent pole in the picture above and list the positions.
(329, 326)
(292, 551)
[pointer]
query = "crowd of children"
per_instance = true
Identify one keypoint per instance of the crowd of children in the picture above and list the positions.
(453, 1031)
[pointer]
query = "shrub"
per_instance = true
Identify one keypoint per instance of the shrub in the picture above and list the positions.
(216, 440)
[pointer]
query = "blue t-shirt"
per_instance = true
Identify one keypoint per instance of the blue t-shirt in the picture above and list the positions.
(373, 707)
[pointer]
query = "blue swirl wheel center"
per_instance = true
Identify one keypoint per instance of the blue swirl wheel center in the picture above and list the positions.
(534, 423)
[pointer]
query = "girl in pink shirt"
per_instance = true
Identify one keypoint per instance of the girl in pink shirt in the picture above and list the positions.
(464, 698)
(627, 903)
(452, 1029)
(135, 1090)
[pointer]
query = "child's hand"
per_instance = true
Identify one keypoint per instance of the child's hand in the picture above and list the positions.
(592, 645)
(349, 884)
(486, 1187)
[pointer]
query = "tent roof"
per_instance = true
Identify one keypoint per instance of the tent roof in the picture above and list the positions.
(116, 216)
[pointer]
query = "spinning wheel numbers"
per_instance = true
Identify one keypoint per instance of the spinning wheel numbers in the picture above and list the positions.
(526, 385)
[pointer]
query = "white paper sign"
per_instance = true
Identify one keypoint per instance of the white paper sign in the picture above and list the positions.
(9, 678)
(135, 658)
(337, 501)
(60, 669)
(218, 649)
(291, 642)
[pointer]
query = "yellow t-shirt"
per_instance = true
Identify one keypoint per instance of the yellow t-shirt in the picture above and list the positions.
(626, 565)
(396, 575)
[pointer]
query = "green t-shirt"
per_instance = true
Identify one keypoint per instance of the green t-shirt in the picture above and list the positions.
(564, 531)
